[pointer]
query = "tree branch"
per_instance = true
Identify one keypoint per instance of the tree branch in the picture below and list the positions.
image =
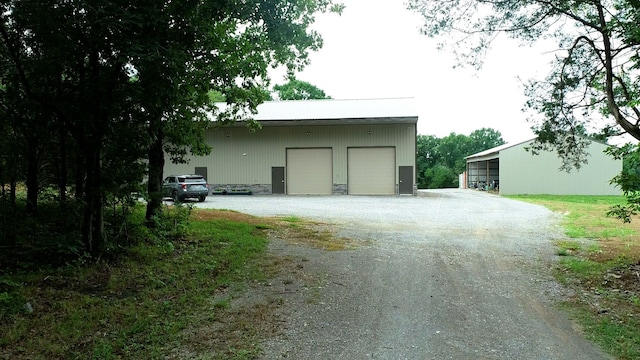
(633, 130)
(14, 55)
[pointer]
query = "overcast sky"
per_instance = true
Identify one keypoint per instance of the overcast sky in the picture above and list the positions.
(375, 50)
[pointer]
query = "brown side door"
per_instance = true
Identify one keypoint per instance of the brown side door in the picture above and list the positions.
(277, 180)
(406, 180)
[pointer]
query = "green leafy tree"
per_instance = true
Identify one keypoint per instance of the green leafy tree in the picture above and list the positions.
(628, 180)
(426, 157)
(452, 149)
(441, 160)
(63, 56)
(247, 37)
(593, 84)
(296, 89)
(484, 139)
(120, 82)
(441, 176)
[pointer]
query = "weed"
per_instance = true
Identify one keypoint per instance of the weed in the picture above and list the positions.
(568, 245)
(103, 351)
(593, 248)
(12, 302)
(583, 268)
(222, 304)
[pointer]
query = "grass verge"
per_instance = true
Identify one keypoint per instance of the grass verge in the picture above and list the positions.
(160, 298)
(137, 306)
(600, 261)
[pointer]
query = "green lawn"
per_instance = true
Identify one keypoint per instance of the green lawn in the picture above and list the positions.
(600, 259)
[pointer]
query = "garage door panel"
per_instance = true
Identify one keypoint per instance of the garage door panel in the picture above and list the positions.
(309, 171)
(371, 171)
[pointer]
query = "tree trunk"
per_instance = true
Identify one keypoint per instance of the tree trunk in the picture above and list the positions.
(93, 235)
(156, 166)
(32, 178)
(12, 193)
(12, 205)
(62, 169)
(80, 176)
(4, 239)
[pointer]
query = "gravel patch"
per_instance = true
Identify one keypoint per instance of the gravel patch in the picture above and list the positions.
(449, 274)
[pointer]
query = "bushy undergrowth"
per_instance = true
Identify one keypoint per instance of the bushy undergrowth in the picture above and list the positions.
(48, 238)
(51, 237)
(137, 301)
(49, 241)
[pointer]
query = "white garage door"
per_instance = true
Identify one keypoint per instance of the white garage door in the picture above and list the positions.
(309, 172)
(372, 171)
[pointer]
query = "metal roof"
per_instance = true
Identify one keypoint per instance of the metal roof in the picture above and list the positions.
(332, 109)
(496, 150)
(329, 112)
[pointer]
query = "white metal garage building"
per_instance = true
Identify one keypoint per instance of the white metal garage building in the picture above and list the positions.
(315, 147)
(517, 171)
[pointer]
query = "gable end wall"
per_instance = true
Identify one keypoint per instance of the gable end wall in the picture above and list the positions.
(524, 173)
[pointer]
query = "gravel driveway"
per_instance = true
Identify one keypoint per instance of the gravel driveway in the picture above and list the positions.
(450, 274)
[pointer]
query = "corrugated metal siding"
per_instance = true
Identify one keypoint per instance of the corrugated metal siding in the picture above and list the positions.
(371, 171)
(241, 157)
(524, 173)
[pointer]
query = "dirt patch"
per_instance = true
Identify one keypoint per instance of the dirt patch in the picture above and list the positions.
(612, 249)
(232, 332)
(203, 215)
(296, 231)
(93, 283)
(625, 279)
(617, 291)
(239, 321)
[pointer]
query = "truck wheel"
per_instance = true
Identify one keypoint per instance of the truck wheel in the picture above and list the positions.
(201, 198)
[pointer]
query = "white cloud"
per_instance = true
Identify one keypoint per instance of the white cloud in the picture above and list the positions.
(375, 50)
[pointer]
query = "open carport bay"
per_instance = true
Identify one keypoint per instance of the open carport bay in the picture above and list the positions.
(450, 274)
